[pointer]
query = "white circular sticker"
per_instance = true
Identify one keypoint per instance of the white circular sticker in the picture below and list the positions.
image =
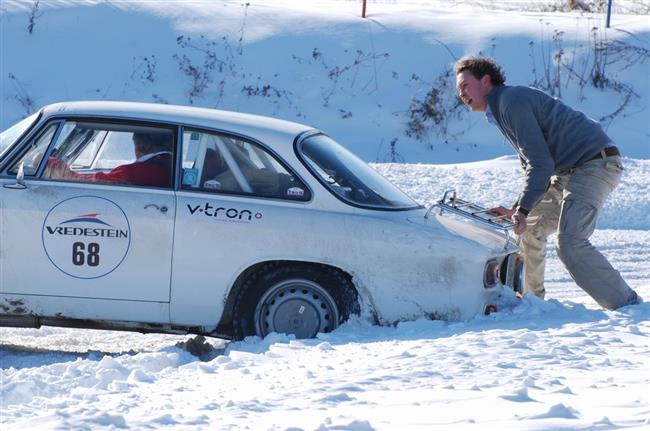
(86, 236)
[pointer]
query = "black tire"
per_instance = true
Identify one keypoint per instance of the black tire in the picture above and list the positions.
(518, 282)
(299, 299)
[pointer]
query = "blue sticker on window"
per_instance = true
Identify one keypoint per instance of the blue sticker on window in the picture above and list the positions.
(190, 177)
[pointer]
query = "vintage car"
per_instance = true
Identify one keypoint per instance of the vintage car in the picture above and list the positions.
(160, 218)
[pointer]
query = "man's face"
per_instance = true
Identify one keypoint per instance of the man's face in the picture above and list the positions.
(472, 91)
(138, 148)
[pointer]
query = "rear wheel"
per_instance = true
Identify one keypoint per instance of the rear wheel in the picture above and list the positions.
(297, 299)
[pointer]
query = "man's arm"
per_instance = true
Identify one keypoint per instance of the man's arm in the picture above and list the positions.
(59, 170)
(520, 120)
(119, 174)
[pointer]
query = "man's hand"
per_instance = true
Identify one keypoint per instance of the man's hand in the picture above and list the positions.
(56, 169)
(501, 211)
(519, 219)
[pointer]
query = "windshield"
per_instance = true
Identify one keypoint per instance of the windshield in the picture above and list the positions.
(11, 135)
(349, 177)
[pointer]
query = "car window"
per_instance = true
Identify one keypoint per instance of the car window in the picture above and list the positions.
(349, 177)
(219, 163)
(112, 153)
(32, 159)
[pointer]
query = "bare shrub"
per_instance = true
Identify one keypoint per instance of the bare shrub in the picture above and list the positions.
(144, 68)
(22, 96)
(548, 76)
(392, 155)
(433, 113)
(632, 7)
(271, 93)
(199, 74)
(33, 15)
(349, 73)
(595, 66)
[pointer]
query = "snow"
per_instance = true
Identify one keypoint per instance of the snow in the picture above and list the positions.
(319, 63)
(498, 181)
(562, 363)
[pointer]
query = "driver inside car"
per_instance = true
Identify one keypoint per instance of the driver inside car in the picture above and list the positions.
(152, 167)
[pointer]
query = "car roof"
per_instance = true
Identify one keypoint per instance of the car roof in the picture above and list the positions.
(235, 122)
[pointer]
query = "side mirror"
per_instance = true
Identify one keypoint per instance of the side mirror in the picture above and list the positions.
(20, 179)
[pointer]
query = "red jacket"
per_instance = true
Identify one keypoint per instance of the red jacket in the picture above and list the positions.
(155, 172)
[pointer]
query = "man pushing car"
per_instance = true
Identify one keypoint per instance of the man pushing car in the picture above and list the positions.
(571, 167)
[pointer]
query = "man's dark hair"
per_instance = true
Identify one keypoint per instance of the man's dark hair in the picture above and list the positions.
(150, 142)
(479, 67)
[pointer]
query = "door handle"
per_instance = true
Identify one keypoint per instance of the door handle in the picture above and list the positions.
(162, 209)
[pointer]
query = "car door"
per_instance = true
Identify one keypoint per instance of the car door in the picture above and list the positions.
(235, 201)
(90, 236)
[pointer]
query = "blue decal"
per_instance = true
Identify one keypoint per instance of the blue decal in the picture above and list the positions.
(190, 177)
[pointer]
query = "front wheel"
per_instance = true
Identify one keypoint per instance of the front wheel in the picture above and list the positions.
(294, 299)
(518, 282)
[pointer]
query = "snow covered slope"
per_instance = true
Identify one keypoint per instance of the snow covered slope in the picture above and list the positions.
(383, 86)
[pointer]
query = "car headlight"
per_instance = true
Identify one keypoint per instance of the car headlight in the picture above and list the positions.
(492, 274)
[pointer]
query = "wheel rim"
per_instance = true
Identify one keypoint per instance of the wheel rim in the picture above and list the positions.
(518, 281)
(300, 307)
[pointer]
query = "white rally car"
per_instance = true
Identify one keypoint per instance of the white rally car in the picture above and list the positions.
(160, 218)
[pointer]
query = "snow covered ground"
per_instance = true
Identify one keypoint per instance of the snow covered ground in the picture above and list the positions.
(562, 363)
(557, 364)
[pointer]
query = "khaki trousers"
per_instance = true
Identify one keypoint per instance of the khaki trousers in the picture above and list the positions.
(571, 207)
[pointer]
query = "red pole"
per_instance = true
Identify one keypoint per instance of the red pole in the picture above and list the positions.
(363, 9)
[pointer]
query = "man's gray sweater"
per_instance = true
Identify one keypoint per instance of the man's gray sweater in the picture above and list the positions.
(549, 136)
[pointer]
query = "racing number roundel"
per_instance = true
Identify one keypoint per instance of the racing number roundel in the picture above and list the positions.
(86, 236)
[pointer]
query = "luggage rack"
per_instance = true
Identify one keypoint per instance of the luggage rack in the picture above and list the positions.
(474, 212)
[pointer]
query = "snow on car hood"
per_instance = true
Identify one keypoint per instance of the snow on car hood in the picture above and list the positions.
(495, 240)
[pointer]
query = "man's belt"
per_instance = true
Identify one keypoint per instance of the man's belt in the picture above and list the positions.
(606, 152)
